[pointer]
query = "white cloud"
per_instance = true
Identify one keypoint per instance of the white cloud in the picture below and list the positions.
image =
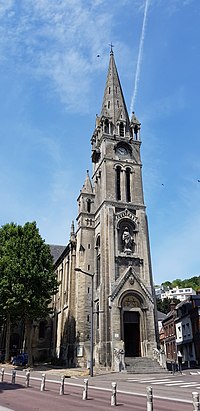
(5, 6)
(58, 41)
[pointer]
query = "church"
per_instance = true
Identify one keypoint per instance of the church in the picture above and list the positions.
(105, 276)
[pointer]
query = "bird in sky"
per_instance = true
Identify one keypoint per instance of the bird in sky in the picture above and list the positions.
(98, 55)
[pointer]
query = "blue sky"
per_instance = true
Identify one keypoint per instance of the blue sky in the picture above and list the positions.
(52, 84)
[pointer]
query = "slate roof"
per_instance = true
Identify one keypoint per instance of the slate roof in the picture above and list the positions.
(161, 315)
(56, 251)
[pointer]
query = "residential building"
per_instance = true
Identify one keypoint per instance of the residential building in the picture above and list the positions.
(177, 293)
(168, 334)
(187, 326)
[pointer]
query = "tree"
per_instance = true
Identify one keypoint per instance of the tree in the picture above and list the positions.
(165, 305)
(9, 273)
(27, 276)
(177, 283)
(166, 284)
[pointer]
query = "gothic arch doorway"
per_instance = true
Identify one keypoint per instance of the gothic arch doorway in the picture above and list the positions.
(131, 325)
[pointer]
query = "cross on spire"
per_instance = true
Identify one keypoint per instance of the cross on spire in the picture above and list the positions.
(111, 48)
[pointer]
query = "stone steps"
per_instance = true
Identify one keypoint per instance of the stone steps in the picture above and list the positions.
(143, 365)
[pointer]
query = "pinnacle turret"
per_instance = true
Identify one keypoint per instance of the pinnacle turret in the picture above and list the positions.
(87, 186)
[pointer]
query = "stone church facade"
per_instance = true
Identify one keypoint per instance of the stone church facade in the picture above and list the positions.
(111, 243)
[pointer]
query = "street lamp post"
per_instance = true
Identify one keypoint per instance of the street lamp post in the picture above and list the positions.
(92, 319)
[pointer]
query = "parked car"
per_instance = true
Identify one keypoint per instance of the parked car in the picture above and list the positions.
(20, 359)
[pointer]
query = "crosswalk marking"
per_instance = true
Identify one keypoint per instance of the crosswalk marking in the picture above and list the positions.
(136, 379)
(176, 383)
(188, 385)
(168, 382)
(159, 383)
(154, 381)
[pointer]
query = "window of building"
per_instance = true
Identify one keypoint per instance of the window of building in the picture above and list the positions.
(88, 205)
(118, 183)
(98, 262)
(121, 129)
(97, 309)
(128, 188)
(106, 123)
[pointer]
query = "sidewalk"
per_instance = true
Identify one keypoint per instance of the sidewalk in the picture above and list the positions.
(58, 371)
(77, 373)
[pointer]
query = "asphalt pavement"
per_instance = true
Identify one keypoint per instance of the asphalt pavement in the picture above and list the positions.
(169, 391)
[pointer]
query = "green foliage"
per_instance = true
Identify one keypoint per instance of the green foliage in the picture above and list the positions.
(193, 282)
(165, 305)
(167, 284)
(27, 278)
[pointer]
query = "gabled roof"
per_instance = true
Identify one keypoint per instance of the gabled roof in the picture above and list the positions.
(122, 280)
(161, 315)
(56, 251)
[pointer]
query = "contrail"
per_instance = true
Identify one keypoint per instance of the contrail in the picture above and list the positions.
(139, 59)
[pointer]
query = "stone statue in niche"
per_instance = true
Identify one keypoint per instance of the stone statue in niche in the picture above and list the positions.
(127, 240)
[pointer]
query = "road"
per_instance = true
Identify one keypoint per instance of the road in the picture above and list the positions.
(170, 392)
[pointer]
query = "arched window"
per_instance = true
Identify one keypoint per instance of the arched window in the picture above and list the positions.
(106, 126)
(118, 183)
(121, 129)
(128, 186)
(98, 262)
(136, 132)
(88, 205)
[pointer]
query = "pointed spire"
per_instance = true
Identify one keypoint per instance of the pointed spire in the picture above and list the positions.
(114, 106)
(87, 186)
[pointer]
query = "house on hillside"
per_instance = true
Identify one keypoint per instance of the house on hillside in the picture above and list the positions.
(177, 293)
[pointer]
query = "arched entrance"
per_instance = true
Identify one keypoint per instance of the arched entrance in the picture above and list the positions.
(131, 326)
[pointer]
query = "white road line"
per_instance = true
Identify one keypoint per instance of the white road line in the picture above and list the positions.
(131, 379)
(137, 380)
(186, 385)
(155, 381)
(162, 382)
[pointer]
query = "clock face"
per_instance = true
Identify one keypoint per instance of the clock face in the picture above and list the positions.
(122, 151)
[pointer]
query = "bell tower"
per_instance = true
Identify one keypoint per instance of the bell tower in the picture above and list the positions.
(119, 254)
